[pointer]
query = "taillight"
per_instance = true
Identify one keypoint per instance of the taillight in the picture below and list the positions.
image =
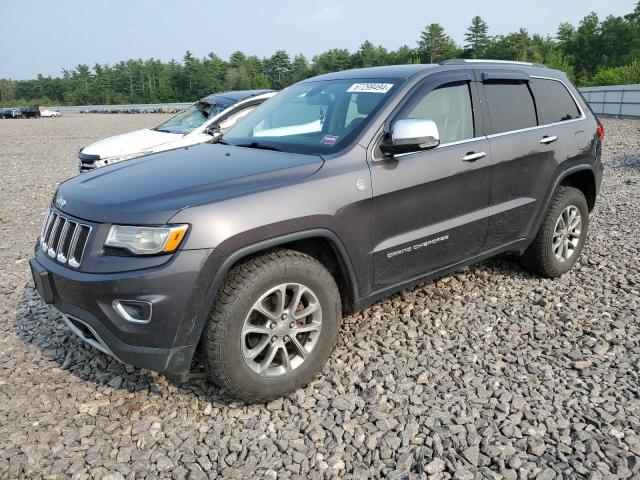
(600, 131)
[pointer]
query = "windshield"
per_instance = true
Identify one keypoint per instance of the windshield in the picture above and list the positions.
(192, 117)
(312, 117)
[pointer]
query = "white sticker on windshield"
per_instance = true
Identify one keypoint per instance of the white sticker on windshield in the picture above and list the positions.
(370, 88)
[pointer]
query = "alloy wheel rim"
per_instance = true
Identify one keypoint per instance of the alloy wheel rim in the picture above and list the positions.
(566, 234)
(281, 329)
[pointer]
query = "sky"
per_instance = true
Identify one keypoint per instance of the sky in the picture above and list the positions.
(72, 32)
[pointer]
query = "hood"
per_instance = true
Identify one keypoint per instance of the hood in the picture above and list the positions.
(151, 189)
(128, 143)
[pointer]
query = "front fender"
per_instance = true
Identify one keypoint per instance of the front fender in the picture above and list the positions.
(219, 264)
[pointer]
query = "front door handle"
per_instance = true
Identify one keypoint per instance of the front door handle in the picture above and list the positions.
(473, 156)
(547, 140)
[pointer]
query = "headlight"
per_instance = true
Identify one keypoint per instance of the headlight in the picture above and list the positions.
(146, 240)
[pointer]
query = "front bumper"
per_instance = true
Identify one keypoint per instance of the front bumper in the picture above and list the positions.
(177, 290)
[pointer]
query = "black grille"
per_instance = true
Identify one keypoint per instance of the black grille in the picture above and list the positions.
(64, 239)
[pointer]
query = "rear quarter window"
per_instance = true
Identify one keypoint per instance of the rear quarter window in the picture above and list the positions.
(555, 103)
(511, 106)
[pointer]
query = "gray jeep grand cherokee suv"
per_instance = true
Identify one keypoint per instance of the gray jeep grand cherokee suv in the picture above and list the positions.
(341, 190)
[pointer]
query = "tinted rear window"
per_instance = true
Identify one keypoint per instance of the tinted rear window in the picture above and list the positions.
(554, 101)
(511, 106)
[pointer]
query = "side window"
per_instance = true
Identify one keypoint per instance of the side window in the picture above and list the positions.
(511, 106)
(450, 107)
(554, 101)
(354, 111)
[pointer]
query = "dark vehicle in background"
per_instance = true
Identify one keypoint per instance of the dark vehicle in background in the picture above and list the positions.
(28, 112)
(339, 191)
(11, 113)
(20, 112)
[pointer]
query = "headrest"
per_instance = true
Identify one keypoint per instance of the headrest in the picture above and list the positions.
(366, 102)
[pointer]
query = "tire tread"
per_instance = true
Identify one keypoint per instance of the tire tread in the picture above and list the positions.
(538, 258)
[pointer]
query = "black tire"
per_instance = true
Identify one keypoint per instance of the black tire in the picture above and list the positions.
(540, 257)
(240, 290)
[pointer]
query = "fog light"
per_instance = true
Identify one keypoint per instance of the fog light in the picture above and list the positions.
(135, 311)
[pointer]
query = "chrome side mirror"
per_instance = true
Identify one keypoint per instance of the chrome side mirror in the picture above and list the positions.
(411, 135)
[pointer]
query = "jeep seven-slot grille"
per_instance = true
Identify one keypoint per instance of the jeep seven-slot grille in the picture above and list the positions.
(64, 239)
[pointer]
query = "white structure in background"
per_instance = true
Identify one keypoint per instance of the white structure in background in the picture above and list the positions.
(618, 100)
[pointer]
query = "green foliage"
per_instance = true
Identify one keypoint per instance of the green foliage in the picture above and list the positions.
(623, 75)
(477, 37)
(556, 59)
(596, 52)
(434, 45)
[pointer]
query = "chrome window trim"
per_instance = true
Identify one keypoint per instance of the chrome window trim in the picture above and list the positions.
(460, 142)
(442, 145)
(501, 134)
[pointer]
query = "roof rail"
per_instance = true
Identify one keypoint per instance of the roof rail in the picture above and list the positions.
(464, 61)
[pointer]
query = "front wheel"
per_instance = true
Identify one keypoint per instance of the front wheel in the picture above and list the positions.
(561, 237)
(273, 325)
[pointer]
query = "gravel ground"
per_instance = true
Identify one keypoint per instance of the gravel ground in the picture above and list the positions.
(486, 373)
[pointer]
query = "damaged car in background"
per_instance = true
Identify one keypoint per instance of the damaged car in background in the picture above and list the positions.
(199, 123)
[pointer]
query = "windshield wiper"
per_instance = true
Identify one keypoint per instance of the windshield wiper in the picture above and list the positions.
(262, 146)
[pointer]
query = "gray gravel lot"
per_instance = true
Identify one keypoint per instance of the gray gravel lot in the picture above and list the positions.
(487, 373)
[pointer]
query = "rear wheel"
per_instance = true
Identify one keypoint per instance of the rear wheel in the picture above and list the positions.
(561, 237)
(273, 325)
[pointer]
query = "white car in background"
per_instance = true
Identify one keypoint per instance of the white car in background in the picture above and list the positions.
(49, 113)
(205, 119)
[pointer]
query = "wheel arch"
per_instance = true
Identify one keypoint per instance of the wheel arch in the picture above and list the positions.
(320, 243)
(580, 174)
(584, 180)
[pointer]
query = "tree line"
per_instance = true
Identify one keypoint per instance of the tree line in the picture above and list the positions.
(596, 52)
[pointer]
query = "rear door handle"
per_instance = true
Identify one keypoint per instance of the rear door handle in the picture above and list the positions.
(473, 156)
(546, 139)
